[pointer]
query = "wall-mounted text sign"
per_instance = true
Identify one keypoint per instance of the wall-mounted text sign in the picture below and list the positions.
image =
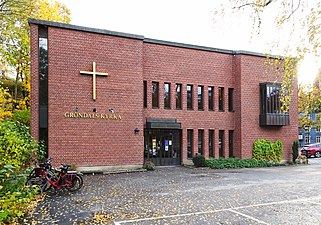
(78, 115)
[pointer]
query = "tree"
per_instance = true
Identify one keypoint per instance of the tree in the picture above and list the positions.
(14, 35)
(297, 28)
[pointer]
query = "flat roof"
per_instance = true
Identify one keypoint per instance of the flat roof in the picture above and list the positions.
(147, 40)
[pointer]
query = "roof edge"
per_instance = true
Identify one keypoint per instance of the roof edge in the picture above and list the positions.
(85, 29)
(148, 40)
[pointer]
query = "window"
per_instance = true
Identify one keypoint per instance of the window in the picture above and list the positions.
(318, 139)
(189, 96)
(307, 139)
(178, 96)
(221, 99)
(230, 99)
(145, 94)
(43, 84)
(155, 94)
(211, 98)
(201, 142)
(200, 97)
(211, 143)
(167, 95)
(221, 143)
(231, 143)
(190, 143)
(318, 128)
(270, 111)
(306, 129)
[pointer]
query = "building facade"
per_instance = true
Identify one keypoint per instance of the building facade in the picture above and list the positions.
(110, 99)
(310, 135)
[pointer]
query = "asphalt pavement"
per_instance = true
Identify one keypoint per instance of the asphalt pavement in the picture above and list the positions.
(180, 195)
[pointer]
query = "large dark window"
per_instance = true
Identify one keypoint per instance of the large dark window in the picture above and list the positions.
(231, 143)
(201, 142)
(145, 94)
(189, 89)
(211, 98)
(270, 112)
(167, 95)
(221, 143)
(221, 99)
(178, 96)
(211, 143)
(43, 84)
(200, 97)
(230, 100)
(190, 137)
(155, 94)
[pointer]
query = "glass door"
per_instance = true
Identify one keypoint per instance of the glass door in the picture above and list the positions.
(163, 146)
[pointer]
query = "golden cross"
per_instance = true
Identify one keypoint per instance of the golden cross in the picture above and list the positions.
(94, 73)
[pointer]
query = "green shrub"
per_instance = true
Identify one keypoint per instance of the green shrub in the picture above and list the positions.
(278, 150)
(265, 150)
(17, 150)
(149, 165)
(199, 160)
(22, 117)
(14, 196)
(236, 163)
(295, 150)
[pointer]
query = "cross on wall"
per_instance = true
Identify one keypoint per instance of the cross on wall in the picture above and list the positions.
(93, 73)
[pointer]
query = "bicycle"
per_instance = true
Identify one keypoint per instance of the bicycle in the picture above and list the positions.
(45, 177)
(64, 178)
(36, 176)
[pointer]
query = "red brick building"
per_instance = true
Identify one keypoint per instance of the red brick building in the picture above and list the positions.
(102, 98)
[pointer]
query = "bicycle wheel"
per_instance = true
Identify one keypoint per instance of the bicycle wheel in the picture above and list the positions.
(33, 179)
(76, 183)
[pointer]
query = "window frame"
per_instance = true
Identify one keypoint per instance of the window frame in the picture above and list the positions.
(178, 96)
(189, 97)
(221, 99)
(155, 105)
(211, 106)
(190, 143)
(167, 101)
(200, 97)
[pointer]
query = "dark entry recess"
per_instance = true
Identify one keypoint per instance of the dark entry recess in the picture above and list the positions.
(162, 138)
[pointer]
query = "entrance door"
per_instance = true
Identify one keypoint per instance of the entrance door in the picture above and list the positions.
(163, 146)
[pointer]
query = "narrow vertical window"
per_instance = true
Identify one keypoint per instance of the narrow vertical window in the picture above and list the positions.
(221, 99)
(201, 142)
(145, 94)
(167, 95)
(43, 84)
(178, 96)
(200, 97)
(211, 98)
(211, 143)
(230, 100)
(221, 143)
(231, 143)
(189, 96)
(190, 143)
(155, 94)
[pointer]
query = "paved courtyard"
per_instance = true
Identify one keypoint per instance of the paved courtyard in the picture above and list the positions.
(179, 195)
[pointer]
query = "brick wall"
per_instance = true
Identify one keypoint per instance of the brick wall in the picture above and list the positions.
(95, 142)
(129, 62)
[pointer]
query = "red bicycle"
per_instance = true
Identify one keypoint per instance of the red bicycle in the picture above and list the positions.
(45, 177)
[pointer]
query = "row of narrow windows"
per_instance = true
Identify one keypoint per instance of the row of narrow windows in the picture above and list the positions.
(191, 152)
(189, 96)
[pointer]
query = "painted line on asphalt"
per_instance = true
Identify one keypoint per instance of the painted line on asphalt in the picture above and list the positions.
(247, 216)
(233, 209)
(316, 203)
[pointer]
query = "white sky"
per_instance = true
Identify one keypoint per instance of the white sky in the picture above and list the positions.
(184, 21)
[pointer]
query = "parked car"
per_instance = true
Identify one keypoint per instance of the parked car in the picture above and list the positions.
(312, 150)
